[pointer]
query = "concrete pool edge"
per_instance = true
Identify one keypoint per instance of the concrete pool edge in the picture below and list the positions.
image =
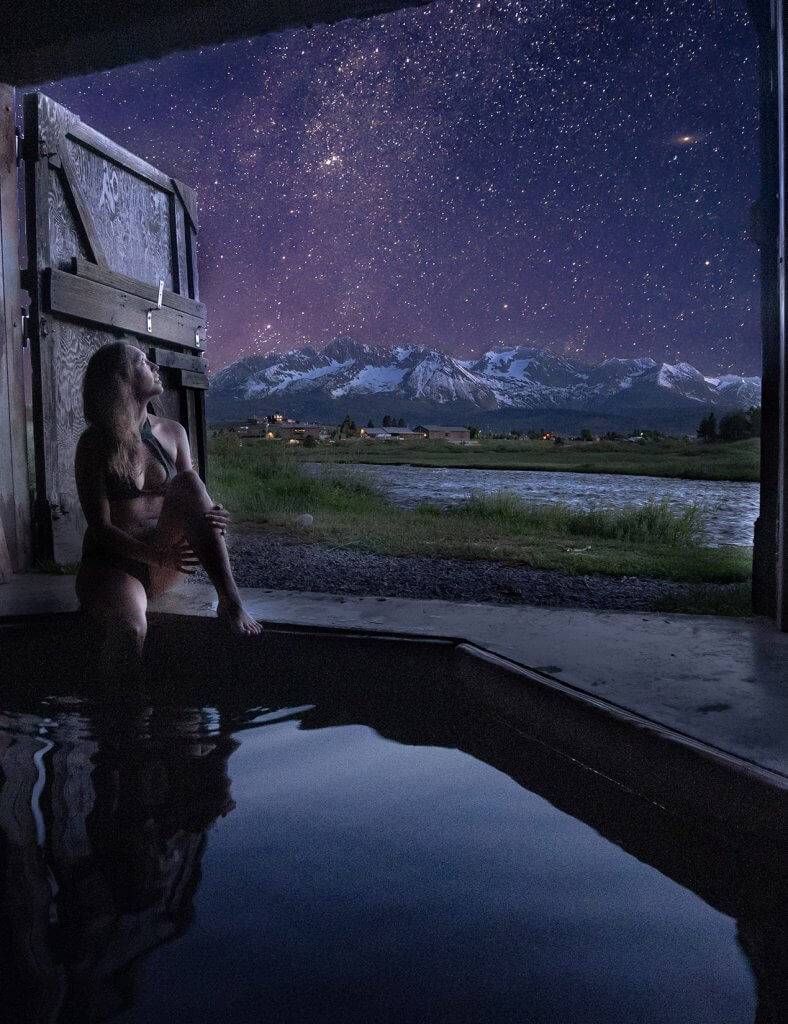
(679, 772)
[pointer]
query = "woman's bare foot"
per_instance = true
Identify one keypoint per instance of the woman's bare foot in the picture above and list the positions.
(237, 619)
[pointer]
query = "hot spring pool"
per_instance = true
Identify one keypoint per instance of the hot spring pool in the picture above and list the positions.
(313, 854)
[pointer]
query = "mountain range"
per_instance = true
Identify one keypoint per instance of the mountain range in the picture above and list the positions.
(522, 386)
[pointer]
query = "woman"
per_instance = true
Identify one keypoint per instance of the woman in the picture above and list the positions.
(150, 518)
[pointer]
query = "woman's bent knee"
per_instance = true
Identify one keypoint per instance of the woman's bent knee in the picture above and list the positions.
(187, 480)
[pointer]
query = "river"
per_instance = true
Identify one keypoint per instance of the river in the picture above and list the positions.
(730, 508)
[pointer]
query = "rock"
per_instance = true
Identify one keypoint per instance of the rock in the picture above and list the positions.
(304, 521)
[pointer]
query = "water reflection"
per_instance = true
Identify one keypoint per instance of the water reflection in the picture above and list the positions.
(106, 809)
(103, 818)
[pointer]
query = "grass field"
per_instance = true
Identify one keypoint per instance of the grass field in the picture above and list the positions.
(263, 484)
(669, 457)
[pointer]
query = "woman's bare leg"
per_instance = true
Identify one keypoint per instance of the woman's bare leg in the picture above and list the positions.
(183, 515)
(115, 605)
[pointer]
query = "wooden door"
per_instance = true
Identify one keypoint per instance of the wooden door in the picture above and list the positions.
(111, 254)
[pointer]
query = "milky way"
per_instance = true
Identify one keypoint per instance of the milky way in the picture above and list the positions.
(575, 175)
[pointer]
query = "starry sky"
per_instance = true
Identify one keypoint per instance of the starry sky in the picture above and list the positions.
(569, 174)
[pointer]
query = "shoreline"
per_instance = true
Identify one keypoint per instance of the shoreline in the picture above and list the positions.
(711, 478)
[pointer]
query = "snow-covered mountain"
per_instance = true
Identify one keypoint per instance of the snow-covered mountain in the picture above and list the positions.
(347, 372)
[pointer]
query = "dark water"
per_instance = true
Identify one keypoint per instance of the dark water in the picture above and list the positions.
(730, 508)
(329, 863)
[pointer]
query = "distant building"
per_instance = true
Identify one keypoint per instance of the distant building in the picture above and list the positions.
(455, 435)
(294, 431)
(405, 433)
(250, 429)
(377, 433)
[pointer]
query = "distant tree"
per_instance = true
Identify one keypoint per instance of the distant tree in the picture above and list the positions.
(400, 422)
(516, 434)
(535, 435)
(347, 427)
(370, 423)
(474, 431)
(613, 435)
(754, 415)
(310, 441)
(735, 426)
(707, 428)
(586, 435)
(387, 421)
(558, 440)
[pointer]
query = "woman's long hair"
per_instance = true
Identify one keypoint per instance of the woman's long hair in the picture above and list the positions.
(110, 408)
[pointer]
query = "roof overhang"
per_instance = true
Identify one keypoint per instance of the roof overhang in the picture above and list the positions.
(43, 40)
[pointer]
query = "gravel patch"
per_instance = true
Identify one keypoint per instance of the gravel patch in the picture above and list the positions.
(273, 562)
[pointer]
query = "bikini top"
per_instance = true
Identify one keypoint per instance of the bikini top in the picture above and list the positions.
(118, 488)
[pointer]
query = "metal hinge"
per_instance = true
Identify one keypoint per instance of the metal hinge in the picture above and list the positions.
(25, 327)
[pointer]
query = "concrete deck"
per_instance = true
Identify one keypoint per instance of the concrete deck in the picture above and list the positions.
(721, 681)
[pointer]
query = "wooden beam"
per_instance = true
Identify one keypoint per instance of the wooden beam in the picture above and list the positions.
(149, 292)
(188, 198)
(37, 189)
(15, 518)
(83, 217)
(177, 360)
(189, 379)
(116, 154)
(82, 299)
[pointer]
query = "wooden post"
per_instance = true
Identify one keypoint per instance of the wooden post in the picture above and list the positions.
(779, 362)
(14, 490)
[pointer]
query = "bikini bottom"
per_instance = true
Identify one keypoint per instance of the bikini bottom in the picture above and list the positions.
(96, 555)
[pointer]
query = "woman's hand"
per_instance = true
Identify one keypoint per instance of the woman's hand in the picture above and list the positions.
(178, 556)
(218, 518)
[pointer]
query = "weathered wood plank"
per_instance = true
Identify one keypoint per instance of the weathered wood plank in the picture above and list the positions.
(176, 247)
(188, 198)
(177, 360)
(191, 263)
(6, 568)
(14, 489)
(83, 299)
(118, 155)
(190, 379)
(82, 268)
(132, 217)
(83, 214)
(39, 116)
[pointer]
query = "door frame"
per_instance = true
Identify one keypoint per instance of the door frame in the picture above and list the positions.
(770, 571)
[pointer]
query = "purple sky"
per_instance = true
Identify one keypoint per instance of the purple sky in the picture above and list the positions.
(563, 173)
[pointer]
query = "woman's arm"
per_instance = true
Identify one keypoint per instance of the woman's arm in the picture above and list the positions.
(91, 487)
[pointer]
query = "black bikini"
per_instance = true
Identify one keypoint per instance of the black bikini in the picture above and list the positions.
(119, 490)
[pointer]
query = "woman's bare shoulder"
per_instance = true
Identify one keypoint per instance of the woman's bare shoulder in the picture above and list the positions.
(167, 427)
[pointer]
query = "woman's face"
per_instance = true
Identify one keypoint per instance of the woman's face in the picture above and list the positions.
(145, 380)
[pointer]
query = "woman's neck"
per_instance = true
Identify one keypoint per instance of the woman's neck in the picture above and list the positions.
(142, 414)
